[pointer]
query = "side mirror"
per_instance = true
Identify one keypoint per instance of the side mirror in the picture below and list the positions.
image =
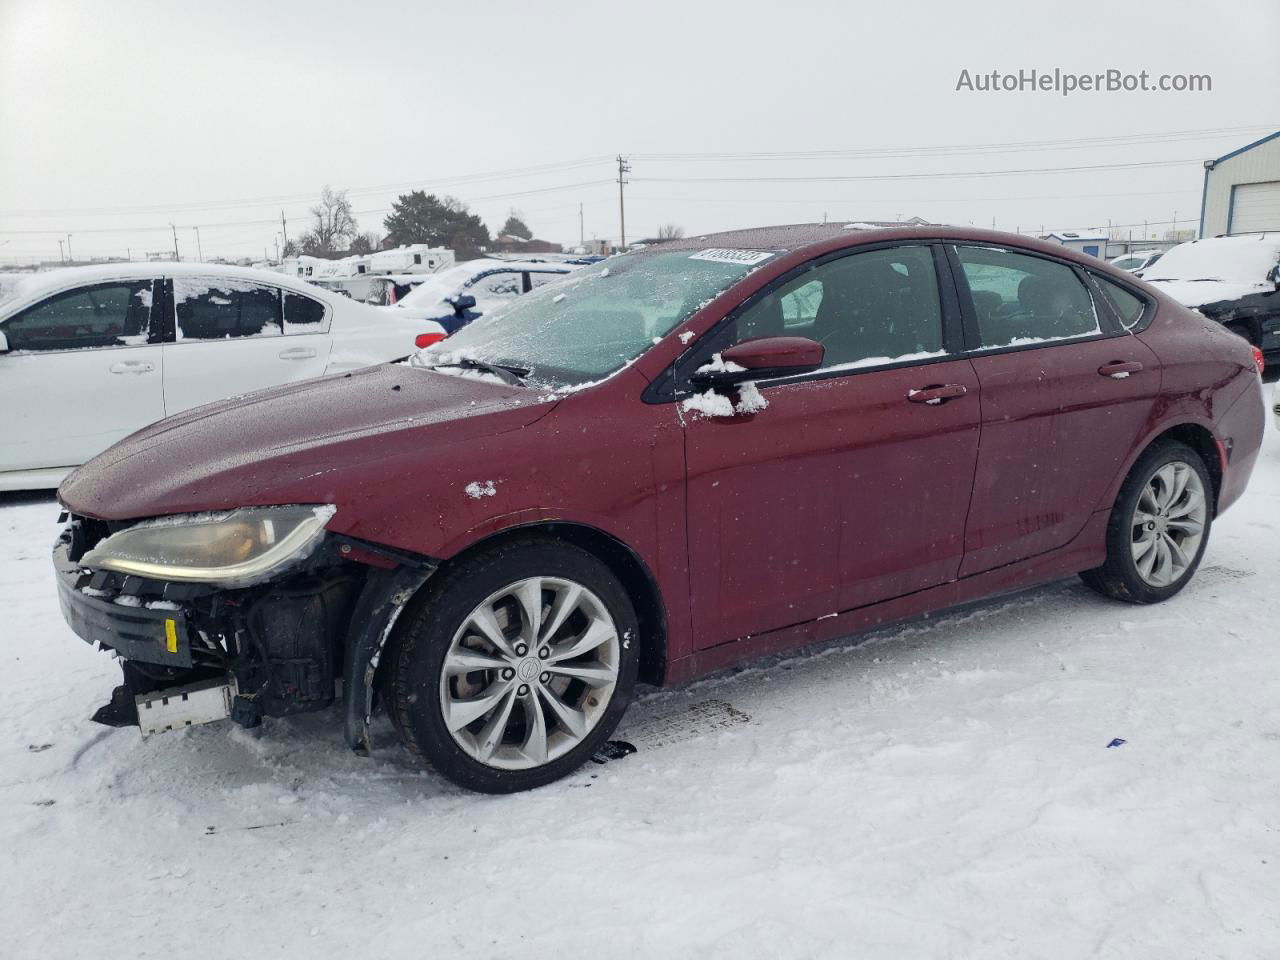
(4, 343)
(461, 303)
(762, 358)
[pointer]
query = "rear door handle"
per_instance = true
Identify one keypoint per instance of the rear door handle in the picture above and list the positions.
(1119, 369)
(297, 353)
(938, 394)
(131, 366)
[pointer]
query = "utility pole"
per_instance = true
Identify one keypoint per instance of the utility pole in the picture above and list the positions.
(61, 256)
(623, 168)
(199, 251)
(175, 241)
(284, 231)
(70, 258)
(581, 233)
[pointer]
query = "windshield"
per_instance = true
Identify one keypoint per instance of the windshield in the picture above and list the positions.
(12, 284)
(1239, 259)
(599, 318)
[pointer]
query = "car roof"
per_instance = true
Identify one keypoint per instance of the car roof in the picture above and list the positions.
(37, 285)
(816, 238)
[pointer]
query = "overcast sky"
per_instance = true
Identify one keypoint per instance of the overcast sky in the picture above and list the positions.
(118, 118)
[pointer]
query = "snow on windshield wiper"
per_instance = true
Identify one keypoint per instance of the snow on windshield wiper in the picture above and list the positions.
(507, 373)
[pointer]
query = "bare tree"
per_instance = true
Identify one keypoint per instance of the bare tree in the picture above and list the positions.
(333, 226)
(669, 231)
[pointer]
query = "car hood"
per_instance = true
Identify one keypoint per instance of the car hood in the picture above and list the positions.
(1195, 293)
(313, 442)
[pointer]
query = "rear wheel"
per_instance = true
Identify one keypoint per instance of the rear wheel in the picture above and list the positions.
(1159, 526)
(516, 667)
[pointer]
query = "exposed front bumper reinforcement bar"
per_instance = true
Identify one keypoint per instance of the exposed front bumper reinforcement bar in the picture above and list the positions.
(185, 706)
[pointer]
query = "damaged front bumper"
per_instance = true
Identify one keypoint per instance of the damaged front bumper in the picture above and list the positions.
(192, 653)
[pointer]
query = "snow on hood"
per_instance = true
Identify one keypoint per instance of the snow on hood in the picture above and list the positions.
(1243, 260)
(1196, 293)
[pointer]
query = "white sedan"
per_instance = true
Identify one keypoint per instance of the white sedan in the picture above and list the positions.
(88, 355)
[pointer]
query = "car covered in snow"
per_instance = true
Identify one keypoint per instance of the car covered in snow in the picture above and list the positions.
(1233, 280)
(458, 295)
(663, 465)
(1136, 261)
(90, 354)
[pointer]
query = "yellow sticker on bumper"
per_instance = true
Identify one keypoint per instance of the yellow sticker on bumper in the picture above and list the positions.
(171, 635)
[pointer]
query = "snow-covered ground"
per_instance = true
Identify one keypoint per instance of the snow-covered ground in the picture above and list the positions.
(944, 790)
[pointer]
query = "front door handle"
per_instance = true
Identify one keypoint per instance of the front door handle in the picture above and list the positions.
(131, 366)
(937, 394)
(297, 353)
(1119, 369)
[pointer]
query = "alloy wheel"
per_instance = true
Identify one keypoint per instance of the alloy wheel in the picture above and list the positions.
(1168, 523)
(529, 673)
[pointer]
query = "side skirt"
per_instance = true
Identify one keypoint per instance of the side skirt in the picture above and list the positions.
(1085, 552)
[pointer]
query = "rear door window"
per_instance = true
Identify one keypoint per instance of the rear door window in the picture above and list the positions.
(213, 309)
(303, 314)
(103, 315)
(506, 285)
(1020, 299)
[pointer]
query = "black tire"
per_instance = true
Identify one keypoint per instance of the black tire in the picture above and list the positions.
(1119, 578)
(421, 640)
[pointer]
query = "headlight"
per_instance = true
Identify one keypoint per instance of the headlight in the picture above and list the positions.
(233, 549)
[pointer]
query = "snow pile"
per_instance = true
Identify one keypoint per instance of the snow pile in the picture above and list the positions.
(709, 404)
(718, 364)
(750, 399)
(475, 489)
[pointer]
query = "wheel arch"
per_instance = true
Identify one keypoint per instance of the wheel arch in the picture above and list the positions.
(632, 572)
(1200, 439)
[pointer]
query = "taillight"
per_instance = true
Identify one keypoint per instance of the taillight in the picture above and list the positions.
(1258, 360)
(427, 339)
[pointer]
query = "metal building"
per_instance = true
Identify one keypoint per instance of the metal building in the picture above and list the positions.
(1242, 190)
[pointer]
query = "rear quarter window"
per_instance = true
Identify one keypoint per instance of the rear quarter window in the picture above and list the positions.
(1128, 306)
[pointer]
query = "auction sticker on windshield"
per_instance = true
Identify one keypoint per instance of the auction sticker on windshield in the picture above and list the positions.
(746, 257)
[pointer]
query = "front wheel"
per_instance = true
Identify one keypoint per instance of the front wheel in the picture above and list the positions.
(515, 667)
(1159, 526)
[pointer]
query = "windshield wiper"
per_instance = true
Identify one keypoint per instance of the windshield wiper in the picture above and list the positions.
(506, 372)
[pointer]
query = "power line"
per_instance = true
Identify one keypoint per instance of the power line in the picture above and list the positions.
(512, 173)
(273, 220)
(975, 148)
(941, 175)
(582, 162)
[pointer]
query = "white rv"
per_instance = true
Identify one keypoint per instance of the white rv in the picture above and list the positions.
(414, 258)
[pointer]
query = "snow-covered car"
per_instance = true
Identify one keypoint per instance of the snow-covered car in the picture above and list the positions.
(1137, 261)
(1233, 280)
(455, 297)
(88, 355)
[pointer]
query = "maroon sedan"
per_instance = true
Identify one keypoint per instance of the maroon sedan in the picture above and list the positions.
(673, 460)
